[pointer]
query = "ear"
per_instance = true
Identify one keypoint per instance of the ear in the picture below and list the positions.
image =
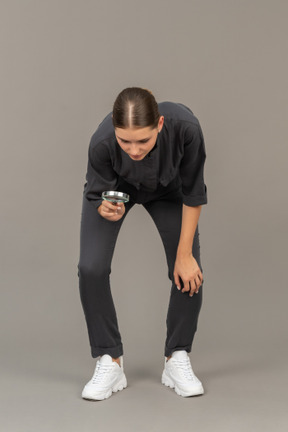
(160, 123)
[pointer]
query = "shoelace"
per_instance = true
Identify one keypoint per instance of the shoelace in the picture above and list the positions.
(186, 369)
(101, 372)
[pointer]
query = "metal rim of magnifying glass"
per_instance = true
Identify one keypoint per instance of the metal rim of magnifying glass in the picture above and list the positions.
(115, 196)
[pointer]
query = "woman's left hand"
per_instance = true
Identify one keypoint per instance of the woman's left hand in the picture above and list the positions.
(186, 267)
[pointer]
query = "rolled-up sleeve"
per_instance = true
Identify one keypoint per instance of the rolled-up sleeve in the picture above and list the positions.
(100, 175)
(194, 190)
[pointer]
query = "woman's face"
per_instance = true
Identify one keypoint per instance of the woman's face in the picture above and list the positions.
(137, 143)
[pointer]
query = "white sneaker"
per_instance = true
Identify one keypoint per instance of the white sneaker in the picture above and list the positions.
(178, 374)
(108, 377)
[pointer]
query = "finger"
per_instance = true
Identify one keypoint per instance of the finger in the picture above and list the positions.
(108, 205)
(115, 216)
(105, 213)
(112, 210)
(186, 287)
(193, 287)
(177, 281)
(108, 215)
(121, 208)
(108, 211)
(198, 282)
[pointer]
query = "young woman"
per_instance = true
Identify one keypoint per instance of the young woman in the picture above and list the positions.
(154, 152)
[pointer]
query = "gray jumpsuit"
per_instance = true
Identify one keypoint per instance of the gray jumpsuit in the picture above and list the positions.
(171, 175)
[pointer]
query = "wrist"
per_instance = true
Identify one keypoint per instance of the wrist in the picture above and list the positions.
(184, 252)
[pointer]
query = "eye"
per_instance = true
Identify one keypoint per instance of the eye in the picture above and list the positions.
(144, 141)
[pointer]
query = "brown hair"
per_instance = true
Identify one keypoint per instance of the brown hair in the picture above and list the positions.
(135, 107)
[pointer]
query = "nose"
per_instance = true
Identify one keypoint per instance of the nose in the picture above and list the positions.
(134, 151)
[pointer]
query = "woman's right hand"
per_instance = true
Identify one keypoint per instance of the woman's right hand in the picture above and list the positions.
(110, 211)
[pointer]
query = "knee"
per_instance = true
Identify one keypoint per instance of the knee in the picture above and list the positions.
(93, 270)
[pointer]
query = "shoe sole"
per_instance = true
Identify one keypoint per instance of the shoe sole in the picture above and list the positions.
(120, 385)
(167, 381)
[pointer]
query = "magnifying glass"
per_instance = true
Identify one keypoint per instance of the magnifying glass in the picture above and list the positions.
(115, 197)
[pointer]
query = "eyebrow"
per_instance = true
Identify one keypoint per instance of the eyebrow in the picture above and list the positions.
(143, 139)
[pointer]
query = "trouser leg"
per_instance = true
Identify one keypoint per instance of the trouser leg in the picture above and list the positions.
(97, 242)
(183, 310)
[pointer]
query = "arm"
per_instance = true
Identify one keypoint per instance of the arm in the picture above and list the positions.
(194, 196)
(186, 266)
(100, 176)
(190, 217)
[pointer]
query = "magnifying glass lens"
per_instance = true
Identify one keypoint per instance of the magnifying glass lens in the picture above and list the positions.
(115, 197)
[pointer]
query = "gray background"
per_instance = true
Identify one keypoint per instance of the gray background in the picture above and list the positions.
(63, 62)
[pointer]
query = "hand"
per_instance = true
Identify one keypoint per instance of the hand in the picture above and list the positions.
(186, 267)
(110, 211)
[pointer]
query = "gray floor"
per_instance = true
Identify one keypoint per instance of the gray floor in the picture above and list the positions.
(245, 390)
(240, 396)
